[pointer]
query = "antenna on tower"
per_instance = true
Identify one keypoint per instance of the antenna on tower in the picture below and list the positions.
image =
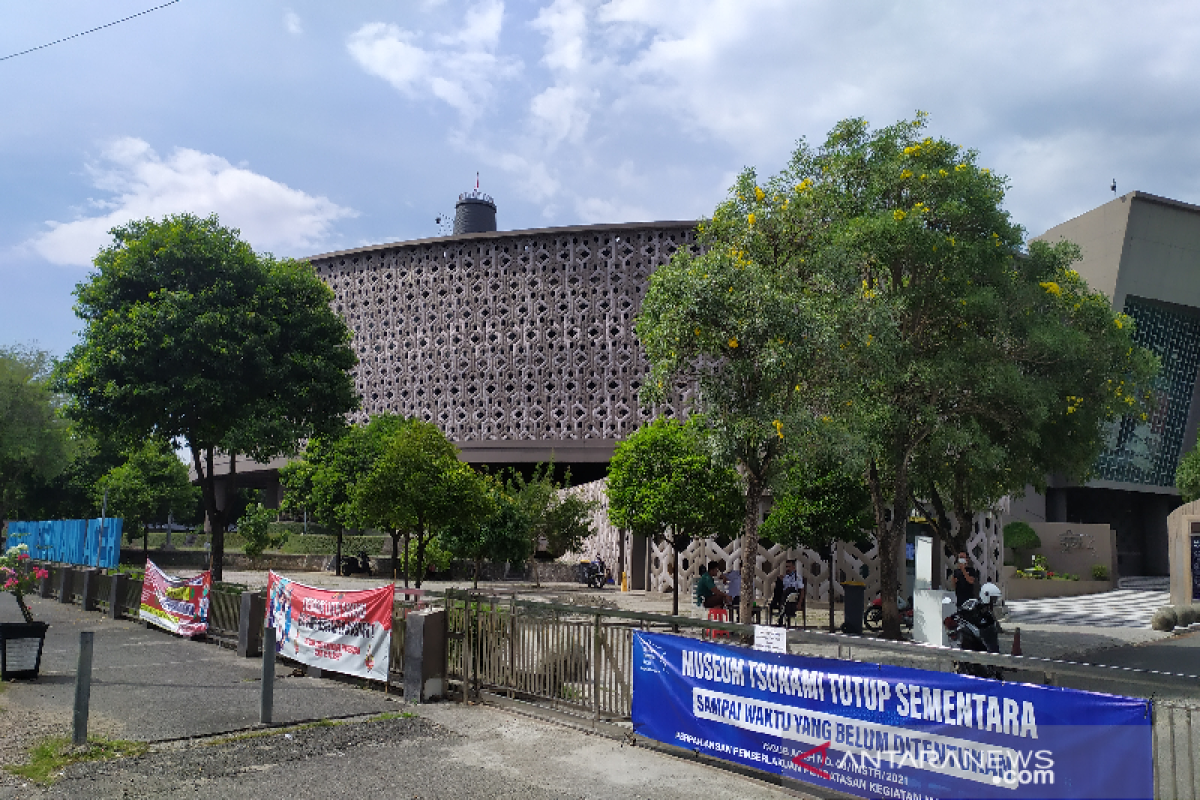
(477, 181)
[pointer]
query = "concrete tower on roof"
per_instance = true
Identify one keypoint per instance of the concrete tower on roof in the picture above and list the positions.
(475, 212)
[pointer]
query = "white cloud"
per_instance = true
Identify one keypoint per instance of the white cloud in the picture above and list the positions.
(462, 73)
(292, 23)
(271, 215)
(1060, 97)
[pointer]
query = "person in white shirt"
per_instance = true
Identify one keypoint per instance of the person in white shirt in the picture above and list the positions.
(733, 588)
(789, 592)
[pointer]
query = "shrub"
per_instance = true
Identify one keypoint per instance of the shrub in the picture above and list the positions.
(1164, 619)
(321, 545)
(1099, 572)
(254, 527)
(1020, 536)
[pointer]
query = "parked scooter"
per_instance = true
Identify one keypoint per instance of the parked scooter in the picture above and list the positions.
(357, 566)
(973, 627)
(873, 616)
(593, 573)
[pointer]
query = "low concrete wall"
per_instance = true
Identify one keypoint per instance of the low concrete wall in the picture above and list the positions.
(1074, 548)
(1032, 589)
(1182, 525)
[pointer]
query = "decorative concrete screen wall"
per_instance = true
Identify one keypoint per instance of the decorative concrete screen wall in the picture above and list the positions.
(524, 337)
(984, 544)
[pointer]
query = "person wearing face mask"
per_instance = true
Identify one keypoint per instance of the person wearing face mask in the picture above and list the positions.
(965, 580)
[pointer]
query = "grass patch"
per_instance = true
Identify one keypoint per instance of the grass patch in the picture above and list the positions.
(241, 737)
(321, 723)
(50, 757)
(392, 715)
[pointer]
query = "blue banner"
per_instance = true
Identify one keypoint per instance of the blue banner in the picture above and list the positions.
(874, 730)
(86, 542)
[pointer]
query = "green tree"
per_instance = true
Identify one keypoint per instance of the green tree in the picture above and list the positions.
(1065, 369)
(191, 336)
(559, 521)
(885, 274)
(819, 503)
(35, 444)
(663, 484)
(1187, 475)
(322, 482)
(1019, 536)
(945, 288)
(254, 527)
(150, 486)
(502, 536)
(72, 493)
(417, 488)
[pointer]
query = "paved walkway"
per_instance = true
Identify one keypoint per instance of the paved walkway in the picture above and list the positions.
(151, 686)
(1124, 608)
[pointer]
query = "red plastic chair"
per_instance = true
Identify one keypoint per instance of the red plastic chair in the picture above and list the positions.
(718, 615)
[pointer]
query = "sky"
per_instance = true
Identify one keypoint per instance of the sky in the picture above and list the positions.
(318, 126)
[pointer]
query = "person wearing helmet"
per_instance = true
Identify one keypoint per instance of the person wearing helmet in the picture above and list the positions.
(989, 594)
(965, 580)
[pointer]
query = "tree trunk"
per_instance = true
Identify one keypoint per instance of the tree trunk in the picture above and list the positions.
(216, 516)
(675, 584)
(406, 540)
(476, 583)
(754, 490)
(337, 558)
(420, 558)
(396, 557)
(889, 535)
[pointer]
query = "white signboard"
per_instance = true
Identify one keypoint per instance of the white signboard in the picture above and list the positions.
(770, 639)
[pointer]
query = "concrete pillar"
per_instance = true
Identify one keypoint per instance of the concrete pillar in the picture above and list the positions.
(65, 580)
(251, 621)
(116, 594)
(425, 655)
(88, 590)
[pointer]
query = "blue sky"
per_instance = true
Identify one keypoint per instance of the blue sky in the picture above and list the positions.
(316, 126)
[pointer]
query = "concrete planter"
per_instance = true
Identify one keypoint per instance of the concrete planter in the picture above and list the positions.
(1034, 589)
(21, 649)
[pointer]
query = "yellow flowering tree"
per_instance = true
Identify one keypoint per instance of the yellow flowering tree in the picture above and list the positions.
(749, 320)
(878, 285)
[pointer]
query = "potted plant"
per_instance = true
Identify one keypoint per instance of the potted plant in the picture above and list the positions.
(20, 642)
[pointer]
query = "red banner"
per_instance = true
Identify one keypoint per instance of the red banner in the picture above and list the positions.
(349, 632)
(178, 604)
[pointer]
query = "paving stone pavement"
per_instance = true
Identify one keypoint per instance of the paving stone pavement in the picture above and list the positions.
(1124, 608)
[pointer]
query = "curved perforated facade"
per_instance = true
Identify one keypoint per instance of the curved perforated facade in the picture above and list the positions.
(516, 344)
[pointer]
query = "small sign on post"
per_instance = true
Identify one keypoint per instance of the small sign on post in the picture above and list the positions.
(770, 639)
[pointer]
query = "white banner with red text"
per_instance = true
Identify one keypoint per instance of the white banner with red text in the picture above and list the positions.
(347, 632)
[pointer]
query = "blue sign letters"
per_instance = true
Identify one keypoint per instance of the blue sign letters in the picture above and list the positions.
(879, 731)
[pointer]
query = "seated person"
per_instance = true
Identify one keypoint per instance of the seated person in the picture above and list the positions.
(733, 588)
(706, 588)
(789, 591)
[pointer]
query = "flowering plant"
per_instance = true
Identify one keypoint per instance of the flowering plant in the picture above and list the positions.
(19, 575)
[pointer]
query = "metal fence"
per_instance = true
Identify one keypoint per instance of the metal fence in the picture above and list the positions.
(579, 661)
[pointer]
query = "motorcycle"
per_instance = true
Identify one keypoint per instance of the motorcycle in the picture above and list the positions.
(357, 566)
(873, 616)
(973, 627)
(593, 573)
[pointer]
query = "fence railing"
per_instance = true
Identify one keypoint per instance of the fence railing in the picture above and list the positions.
(1176, 750)
(579, 660)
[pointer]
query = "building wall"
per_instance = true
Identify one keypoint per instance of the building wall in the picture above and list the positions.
(519, 345)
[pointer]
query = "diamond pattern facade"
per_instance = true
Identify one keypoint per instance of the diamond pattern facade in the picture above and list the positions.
(518, 337)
